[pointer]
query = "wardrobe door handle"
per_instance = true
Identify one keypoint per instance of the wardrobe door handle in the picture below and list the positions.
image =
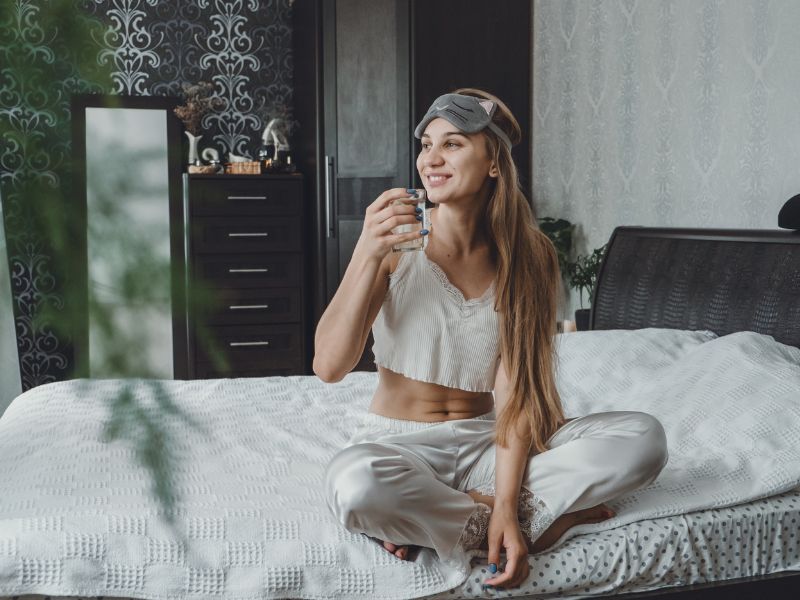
(257, 234)
(247, 197)
(234, 344)
(329, 196)
(264, 270)
(246, 306)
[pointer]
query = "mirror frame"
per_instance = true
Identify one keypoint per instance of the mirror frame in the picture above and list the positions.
(80, 261)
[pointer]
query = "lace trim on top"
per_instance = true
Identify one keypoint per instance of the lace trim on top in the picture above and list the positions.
(453, 290)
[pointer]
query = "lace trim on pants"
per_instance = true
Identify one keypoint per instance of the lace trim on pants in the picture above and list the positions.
(477, 527)
(533, 515)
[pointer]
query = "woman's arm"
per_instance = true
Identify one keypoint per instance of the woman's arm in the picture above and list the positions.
(342, 330)
(344, 326)
(510, 463)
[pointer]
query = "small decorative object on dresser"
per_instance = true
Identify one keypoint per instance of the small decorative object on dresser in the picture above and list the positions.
(199, 100)
(246, 275)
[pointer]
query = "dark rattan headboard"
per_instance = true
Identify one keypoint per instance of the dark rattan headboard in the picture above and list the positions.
(724, 280)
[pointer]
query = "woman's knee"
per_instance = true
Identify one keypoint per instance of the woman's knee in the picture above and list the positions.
(355, 484)
(649, 454)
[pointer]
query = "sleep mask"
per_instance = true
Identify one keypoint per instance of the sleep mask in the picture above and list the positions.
(468, 113)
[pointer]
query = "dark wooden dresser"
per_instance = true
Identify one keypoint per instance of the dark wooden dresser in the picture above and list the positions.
(246, 275)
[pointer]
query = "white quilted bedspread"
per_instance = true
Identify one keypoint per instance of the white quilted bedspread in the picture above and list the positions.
(78, 515)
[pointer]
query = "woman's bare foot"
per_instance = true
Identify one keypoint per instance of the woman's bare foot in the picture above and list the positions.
(400, 552)
(595, 514)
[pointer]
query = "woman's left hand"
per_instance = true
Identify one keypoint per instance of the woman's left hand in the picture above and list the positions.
(504, 534)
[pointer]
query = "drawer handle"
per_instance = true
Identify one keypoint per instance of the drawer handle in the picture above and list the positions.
(264, 270)
(245, 306)
(247, 197)
(265, 343)
(263, 234)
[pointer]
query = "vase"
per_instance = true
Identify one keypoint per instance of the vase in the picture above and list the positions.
(582, 319)
(194, 157)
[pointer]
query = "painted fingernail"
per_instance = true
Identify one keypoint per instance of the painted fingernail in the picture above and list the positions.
(418, 217)
(492, 568)
(424, 232)
(411, 191)
(417, 209)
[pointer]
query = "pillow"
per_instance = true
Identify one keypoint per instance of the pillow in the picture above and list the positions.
(596, 369)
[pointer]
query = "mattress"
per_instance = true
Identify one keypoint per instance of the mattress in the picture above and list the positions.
(755, 538)
(246, 459)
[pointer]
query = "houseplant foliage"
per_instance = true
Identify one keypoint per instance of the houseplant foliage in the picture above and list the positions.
(583, 272)
(560, 233)
(580, 274)
(49, 51)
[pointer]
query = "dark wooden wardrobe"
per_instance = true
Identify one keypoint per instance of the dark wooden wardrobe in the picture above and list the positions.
(365, 71)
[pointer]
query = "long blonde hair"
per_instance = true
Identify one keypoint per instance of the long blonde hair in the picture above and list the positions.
(526, 295)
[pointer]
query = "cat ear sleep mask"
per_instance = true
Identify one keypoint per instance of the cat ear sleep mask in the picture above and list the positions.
(468, 113)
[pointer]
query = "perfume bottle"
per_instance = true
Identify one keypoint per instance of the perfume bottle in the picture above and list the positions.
(417, 199)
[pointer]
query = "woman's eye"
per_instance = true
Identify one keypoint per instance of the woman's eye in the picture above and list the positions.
(426, 146)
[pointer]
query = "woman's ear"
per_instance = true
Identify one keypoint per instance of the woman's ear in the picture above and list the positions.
(493, 172)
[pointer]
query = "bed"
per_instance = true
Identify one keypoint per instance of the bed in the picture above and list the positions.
(700, 327)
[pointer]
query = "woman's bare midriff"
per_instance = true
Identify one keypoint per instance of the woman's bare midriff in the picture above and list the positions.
(399, 397)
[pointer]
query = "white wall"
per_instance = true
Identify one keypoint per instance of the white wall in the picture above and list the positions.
(678, 113)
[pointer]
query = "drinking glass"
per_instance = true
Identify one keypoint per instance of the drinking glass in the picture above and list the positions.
(417, 199)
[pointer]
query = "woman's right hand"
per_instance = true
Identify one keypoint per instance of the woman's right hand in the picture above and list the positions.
(381, 217)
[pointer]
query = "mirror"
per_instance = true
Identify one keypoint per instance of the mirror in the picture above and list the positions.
(128, 174)
(11, 381)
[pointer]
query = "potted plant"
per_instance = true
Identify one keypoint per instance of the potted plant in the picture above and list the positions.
(560, 233)
(582, 276)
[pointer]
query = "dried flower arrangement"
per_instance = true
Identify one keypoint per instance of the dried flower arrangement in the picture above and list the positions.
(199, 101)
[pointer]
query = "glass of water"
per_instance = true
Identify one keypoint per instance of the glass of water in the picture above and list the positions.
(417, 199)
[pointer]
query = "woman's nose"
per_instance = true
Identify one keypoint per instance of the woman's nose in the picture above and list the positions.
(432, 157)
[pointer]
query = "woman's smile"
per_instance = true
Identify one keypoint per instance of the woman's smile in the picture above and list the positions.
(437, 180)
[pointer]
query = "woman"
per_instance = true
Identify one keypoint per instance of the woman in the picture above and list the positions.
(464, 330)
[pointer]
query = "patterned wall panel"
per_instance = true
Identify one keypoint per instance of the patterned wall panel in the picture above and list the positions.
(243, 47)
(150, 47)
(677, 113)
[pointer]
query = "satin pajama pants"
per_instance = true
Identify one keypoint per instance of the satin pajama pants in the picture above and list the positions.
(406, 481)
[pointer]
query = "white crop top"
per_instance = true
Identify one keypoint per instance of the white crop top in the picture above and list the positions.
(427, 331)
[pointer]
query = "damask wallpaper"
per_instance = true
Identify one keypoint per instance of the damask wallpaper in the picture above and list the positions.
(679, 113)
(145, 47)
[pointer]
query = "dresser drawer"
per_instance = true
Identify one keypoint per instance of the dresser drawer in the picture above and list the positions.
(249, 270)
(270, 346)
(256, 234)
(253, 306)
(231, 197)
(208, 371)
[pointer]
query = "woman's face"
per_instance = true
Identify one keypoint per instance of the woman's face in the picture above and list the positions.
(453, 164)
